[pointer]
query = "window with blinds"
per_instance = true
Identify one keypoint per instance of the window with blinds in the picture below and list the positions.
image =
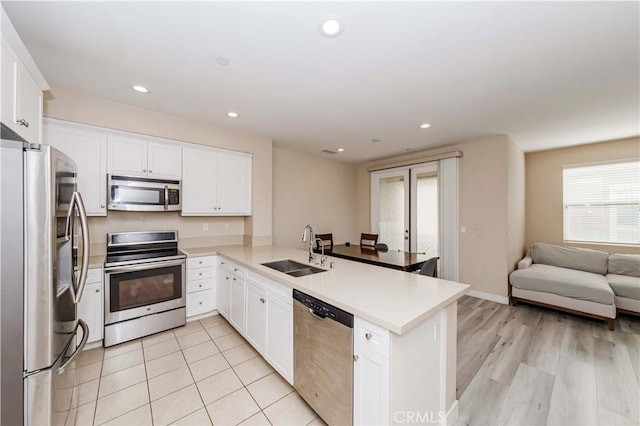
(602, 203)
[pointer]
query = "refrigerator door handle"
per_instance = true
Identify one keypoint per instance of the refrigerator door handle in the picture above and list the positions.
(82, 212)
(85, 337)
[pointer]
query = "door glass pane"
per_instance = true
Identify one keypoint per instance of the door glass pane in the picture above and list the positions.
(392, 204)
(427, 214)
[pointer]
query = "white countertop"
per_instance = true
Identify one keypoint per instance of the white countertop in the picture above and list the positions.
(392, 299)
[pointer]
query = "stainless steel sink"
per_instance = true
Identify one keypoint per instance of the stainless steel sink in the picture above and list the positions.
(293, 268)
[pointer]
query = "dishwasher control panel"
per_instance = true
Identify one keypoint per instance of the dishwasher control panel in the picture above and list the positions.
(323, 310)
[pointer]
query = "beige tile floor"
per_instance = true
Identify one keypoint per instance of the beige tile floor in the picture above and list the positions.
(201, 374)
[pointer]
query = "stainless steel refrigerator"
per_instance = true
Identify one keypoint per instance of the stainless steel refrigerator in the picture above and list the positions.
(44, 252)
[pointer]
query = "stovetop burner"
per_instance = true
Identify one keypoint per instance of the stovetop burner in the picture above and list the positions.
(130, 248)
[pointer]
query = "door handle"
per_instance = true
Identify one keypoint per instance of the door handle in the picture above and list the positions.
(166, 197)
(85, 337)
(76, 201)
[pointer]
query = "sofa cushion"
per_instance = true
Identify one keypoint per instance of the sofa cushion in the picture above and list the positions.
(624, 285)
(564, 282)
(625, 264)
(582, 259)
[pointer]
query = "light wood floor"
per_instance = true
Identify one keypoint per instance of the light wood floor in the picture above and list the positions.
(523, 365)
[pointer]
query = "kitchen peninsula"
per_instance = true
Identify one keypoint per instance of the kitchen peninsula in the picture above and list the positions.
(404, 334)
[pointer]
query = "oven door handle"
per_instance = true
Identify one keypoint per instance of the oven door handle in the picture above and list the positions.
(145, 266)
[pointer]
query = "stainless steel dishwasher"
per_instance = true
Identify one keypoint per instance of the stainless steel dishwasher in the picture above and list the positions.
(323, 358)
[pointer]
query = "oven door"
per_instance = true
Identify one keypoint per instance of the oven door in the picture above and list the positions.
(133, 291)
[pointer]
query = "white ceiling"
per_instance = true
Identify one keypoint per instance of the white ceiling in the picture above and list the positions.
(549, 74)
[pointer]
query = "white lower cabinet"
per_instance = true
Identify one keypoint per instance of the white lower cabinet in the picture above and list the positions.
(237, 316)
(256, 317)
(262, 312)
(90, 308)
(397, 379)
(201, 285)
(280, 336)
(224, 293)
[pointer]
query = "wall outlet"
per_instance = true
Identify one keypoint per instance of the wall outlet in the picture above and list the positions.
(205, 226)
(227, 226)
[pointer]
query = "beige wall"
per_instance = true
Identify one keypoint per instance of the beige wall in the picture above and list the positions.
(312, 190)
(77, 107)
(516, 211)
(489, 209)
(544, 211)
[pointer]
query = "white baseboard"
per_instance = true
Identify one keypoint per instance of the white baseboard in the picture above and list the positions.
(489, 296)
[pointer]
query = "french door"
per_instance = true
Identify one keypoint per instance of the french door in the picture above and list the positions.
(390, 208)
(415, 208)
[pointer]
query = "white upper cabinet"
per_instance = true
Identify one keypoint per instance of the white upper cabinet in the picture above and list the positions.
(87, 146)
(215, 182)
(138, 156)
(234, 183)
(21, 96)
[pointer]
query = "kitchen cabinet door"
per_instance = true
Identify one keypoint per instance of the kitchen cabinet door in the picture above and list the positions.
(371, 374)
(21, 97)
(29, 107)
(237, 304)
(91, 306)
(234, 171)
(127, 156)
(199, 182)
(280, 337)
(224, 294)
(10, 68)
(164, 161)
(256, 317)
(87, 146)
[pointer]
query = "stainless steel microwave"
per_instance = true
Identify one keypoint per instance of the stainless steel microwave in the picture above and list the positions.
(143, 194)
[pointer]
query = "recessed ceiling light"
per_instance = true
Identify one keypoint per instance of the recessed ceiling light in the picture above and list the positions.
(232, 114)
(340, 150)
(140, 89)
(425, 126)
(331, 26)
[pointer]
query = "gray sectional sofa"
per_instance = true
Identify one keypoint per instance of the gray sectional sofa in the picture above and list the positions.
(583, 281)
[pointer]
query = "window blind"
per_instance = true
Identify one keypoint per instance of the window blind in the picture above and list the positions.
(602, 203)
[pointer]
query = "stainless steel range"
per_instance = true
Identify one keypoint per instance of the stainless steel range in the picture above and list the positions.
(144, 285)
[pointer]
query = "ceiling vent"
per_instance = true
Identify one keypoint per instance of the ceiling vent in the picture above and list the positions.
(327, 151)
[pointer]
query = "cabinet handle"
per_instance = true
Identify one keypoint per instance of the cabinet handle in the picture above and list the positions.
(368, 336)
(226, 278)
(200, 273)
(144, 170)
(234, 279)
(102, 206)
(97, 290)
(263, 300)
(200, 303)
(355, 358)
(200, 285)
(23, 122)
(200, 262)
(150, 171)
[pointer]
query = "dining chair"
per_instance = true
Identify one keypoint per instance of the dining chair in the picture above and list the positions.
(327, 242)
(368, 240)
(429, 267)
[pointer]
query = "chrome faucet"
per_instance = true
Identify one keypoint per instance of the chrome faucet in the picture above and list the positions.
(307, 235)
(323, 258)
